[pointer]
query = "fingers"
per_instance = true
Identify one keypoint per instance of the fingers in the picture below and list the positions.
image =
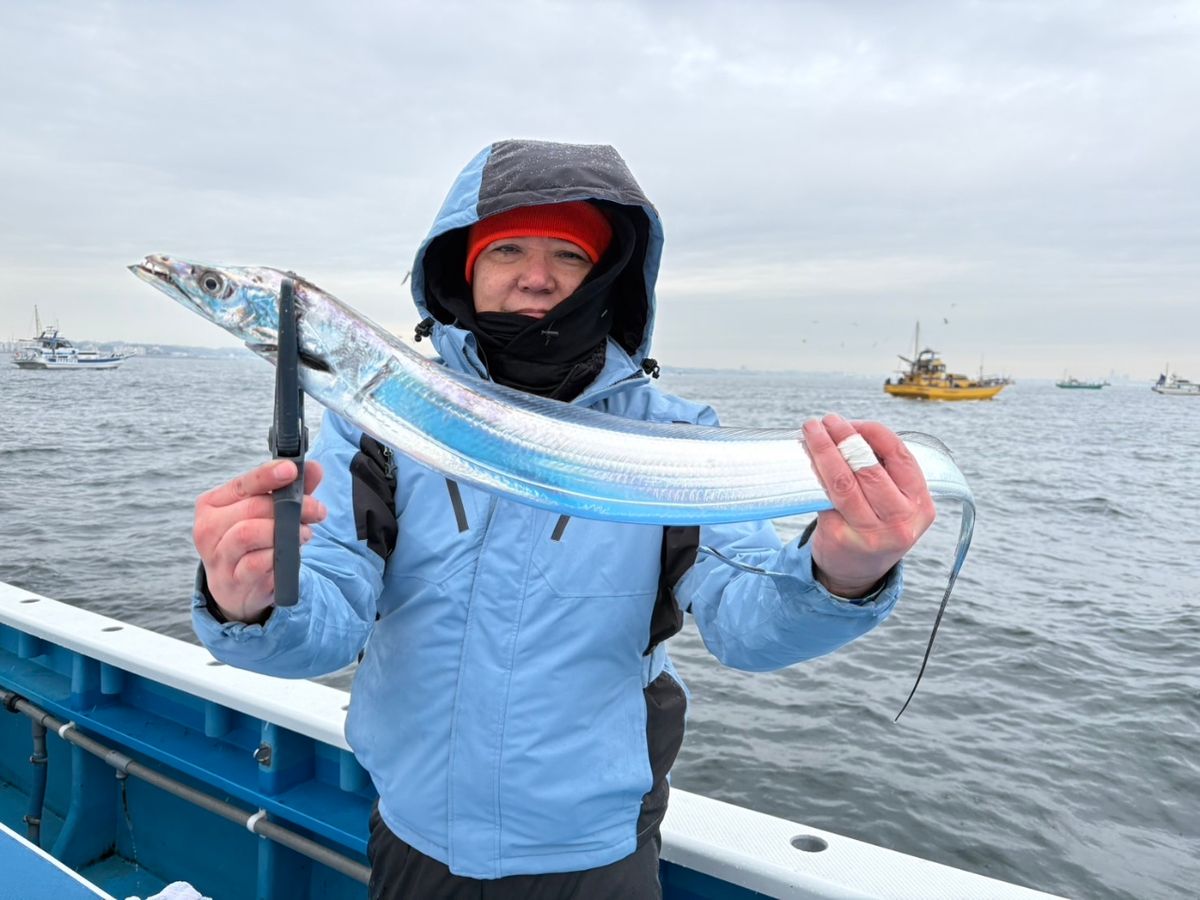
(311, 510)
(257, 568)
(881, 503)
(863, 497)
(242, 538)
(234, 531)
(857, 452)
(268, 477)
(248, 537)
(242, 564)
(213, 523)
(901, 465)
(831, 468)
(313, 473)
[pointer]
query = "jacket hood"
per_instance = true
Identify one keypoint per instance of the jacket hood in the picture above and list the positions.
(510, 174)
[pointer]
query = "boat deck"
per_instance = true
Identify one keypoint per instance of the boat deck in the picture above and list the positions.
(39, 875)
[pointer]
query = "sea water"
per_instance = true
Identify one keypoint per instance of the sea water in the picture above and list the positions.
(1054, 740)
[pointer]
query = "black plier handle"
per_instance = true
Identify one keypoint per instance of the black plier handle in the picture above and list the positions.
(288, 439)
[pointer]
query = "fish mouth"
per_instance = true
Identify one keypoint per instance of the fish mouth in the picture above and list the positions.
(153, 269)
(160, 271)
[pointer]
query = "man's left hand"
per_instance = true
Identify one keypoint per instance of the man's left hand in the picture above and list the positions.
(879, 511)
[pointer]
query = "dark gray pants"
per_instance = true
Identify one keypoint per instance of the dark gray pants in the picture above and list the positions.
(398, 872)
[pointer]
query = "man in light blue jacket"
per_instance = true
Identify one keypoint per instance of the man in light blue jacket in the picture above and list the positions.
(515, 704)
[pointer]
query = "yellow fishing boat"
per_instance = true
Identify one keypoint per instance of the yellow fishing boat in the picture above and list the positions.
(926, 378)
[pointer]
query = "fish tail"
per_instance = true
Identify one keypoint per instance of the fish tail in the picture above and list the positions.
(965, 531)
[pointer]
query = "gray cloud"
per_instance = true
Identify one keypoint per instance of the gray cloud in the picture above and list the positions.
(828, 173)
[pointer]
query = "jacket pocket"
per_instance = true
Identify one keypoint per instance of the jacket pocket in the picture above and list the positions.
(591, 558)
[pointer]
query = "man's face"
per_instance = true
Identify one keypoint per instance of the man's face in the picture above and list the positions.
(527, 275)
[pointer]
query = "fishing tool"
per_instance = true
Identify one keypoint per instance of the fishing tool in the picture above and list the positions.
(288, 439)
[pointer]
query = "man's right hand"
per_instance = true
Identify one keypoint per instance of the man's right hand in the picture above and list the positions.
(234, 532)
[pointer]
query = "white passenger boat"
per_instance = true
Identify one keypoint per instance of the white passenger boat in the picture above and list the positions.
(49, 350)
(1174, 386)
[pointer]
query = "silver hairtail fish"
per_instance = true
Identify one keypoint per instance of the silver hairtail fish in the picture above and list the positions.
(553, 455)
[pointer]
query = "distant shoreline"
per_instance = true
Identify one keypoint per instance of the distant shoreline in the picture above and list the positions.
(184, 351)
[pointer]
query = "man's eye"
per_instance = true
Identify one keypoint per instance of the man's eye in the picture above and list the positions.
(573, 256)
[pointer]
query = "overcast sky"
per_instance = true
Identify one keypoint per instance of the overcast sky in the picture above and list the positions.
(1021, 177)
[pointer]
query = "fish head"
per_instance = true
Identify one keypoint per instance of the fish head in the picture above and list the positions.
(243, 301)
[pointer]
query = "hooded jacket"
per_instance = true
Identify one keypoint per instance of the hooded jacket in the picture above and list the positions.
(515, 705)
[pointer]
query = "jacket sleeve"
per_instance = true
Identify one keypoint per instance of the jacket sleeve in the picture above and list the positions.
(756, 602)
(341, 569)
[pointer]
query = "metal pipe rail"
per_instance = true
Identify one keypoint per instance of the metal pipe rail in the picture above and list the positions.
(255, 822)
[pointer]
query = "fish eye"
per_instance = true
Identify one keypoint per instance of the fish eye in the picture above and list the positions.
(212, 283)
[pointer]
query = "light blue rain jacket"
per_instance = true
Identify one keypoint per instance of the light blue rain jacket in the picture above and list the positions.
(515, 705)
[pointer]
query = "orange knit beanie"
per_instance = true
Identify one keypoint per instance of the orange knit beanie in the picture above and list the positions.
(578, 221)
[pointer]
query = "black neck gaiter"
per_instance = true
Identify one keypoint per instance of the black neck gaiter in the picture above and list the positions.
(557, 355)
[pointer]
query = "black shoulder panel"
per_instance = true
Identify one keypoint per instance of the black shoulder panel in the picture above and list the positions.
(373, 477)
(679, 547)
(666, 708)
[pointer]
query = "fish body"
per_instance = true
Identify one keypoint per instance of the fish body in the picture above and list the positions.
(569, 459)
(549, 454)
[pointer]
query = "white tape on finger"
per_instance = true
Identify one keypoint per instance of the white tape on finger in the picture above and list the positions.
(857, 453)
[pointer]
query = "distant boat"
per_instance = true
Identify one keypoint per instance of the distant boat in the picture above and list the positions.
(1002, 380)
(1072, 383)
(1172, 385)
(926, 378)
(50, 351)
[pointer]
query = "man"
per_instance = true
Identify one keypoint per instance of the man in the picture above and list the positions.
(516, 707)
